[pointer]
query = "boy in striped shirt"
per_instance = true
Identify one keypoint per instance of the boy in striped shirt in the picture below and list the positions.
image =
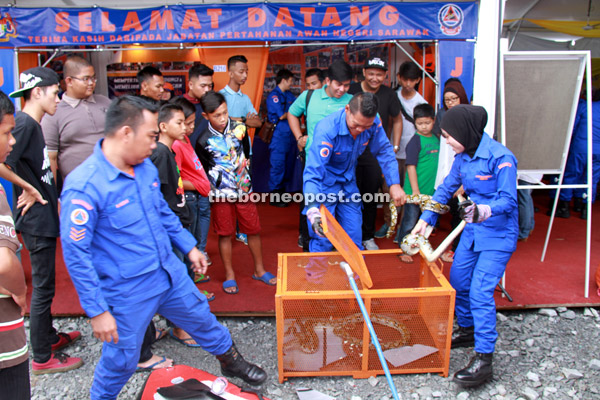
(14, 355)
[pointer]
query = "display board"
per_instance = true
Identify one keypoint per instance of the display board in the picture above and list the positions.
(540, 93)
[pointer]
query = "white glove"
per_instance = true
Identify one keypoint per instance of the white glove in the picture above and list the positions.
(314, 216)
(483, 212)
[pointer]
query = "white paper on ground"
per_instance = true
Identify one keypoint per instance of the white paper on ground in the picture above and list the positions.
(311, 394)
(407, 354)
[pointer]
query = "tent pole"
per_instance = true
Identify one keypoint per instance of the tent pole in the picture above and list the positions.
(588, 205)
(51, 57)
(415, 61)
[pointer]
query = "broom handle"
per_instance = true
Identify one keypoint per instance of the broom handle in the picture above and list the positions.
(374, 339)
(431, 257)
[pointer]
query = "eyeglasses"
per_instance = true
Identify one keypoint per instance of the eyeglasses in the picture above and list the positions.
(86, 79)
(451, 99)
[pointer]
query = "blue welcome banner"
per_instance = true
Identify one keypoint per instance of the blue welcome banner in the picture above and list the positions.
(7, 85)
(21, 27)
(457, 61)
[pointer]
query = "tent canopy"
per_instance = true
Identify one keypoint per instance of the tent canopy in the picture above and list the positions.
(561, 20)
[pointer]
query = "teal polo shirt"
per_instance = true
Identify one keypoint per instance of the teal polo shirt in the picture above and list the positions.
(320, 106)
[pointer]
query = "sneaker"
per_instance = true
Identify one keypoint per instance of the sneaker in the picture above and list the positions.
(241, 237)
(370, 245)
(208, 260)
(381, 232)
(65, 339)
(58, 362)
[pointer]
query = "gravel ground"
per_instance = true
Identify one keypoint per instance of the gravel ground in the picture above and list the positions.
(541, 354)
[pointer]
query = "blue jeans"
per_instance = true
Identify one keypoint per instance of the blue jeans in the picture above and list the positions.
(411, 215)
(200, 207)
(42, 252)
(526, 211)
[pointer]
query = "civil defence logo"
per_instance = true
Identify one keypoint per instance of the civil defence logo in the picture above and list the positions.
(79, 216)
(451, 18)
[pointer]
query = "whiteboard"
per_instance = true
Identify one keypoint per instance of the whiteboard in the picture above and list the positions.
(539, 94)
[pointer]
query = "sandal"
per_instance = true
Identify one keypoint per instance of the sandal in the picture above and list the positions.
(153, 367)
(160, 333)
(231, 283)
(206, 293)
(201, 278)
(265, 278)
(448, 256)
(189, 342)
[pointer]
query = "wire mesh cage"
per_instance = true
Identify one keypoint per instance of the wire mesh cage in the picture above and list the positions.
(321, 331)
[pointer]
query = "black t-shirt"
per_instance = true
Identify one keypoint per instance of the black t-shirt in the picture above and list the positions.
(389, 104)
(171, 184)
(29, 159)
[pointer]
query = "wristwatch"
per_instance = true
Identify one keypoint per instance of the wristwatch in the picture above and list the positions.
(396, 148)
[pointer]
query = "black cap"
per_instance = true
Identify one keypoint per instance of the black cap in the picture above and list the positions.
(35, 77)
(376, 62)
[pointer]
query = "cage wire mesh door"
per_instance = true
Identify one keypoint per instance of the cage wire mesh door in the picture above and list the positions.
(321, 331)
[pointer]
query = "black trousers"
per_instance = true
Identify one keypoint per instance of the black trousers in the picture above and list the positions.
(42, 252)
(14, 382)
(368, 180)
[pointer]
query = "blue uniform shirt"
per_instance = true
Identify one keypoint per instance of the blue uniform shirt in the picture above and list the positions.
(331, 162)
(579, 139)
(490, 178)
(278, 103)
(116, 233)
(238, 104)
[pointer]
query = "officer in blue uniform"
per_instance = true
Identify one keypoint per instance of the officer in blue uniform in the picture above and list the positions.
(576, 168)
(283, 144)
(116, 232)
(488, 172)
(329, 176)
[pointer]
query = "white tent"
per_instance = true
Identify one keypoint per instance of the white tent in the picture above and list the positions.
(559, 25)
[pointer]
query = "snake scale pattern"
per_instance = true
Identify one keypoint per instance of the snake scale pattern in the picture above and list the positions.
(345, 328)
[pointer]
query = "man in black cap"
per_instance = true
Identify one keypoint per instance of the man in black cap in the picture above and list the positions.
(368, 172)
(36, 215)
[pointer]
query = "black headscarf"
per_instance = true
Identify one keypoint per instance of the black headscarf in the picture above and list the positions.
(466, 123)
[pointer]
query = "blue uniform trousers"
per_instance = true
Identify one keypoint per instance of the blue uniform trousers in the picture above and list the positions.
(349, 215)
(576, 172)
(184, 305)
(474, 275)
(281, 157)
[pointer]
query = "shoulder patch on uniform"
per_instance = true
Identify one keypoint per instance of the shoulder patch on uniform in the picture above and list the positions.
(275, 99)
(122, 203)
(327, 144)
(85, 204)
(79, 216)
(505, 164)
(77, 234)
(324, 152)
